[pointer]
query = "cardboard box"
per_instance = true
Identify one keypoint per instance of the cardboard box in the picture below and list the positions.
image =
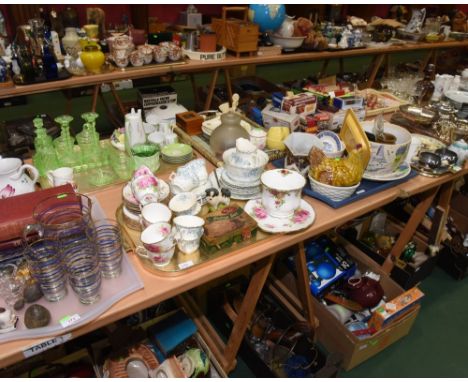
(273, 116)
(334, 336)
(149, 98)
(302, 103)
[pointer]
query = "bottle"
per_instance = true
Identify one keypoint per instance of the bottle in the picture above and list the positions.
(425, 87)
(224, 137)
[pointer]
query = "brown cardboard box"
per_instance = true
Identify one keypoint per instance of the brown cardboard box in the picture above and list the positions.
(337, 339)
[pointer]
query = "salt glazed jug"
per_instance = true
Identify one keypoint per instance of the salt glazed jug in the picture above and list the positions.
(14, 180)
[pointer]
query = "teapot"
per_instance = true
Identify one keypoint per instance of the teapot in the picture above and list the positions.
(14, 180)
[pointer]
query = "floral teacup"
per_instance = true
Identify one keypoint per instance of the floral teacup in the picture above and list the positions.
(160, 54)
(281, 194)
(158, 244)
(188, 246)
(188, 227)
(198, 168)
(145, 188)
(185, 203)
(181, 182)
(136, 58)
(147, 52)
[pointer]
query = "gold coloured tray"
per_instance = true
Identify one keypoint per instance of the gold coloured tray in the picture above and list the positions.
(181, 263)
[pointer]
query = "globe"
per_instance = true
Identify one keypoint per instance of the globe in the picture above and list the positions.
(269, 17)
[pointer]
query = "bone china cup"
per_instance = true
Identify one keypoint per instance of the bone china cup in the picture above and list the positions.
(155, 213)
(158, 244)
(281, 194)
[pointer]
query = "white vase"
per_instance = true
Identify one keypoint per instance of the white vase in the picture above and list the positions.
(71, 41)
(134, 131)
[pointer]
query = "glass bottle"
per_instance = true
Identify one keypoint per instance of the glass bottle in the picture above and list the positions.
(65, 143)
(445, 125)
(26, 65)
(44, 158)
(49, 65)
(88, 140)
(425, 87)
(224, 137)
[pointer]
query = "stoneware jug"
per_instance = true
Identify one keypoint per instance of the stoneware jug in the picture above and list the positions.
(134, 131)
(14, 180)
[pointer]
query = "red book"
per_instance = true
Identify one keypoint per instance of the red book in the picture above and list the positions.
(17, 211)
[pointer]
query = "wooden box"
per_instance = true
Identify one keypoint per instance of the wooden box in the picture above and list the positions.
(239, 36)
(190, 122)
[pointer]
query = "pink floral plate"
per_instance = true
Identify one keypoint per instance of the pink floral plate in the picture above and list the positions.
(303, 217)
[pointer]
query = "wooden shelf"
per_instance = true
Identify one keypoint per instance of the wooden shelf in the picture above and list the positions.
(203, 66)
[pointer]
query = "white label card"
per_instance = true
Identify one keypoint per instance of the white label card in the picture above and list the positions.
(69, 320)
(186, 264)
(45, 345)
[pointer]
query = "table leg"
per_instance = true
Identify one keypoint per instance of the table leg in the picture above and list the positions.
(227, 79)
(410, 228)
(377, 62)
(227, 353)
(442, 211)
(96, 90)
(303, 287)
(341, 65)
(323, 71)
(209, 98)
(194, 90)
(117, 99)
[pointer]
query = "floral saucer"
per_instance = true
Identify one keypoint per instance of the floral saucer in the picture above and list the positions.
(130, 198)
(401, 172)
(303, 217)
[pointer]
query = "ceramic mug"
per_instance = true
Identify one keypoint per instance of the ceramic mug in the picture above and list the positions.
(185, 203)
(154, 213)
(182, 182)
(60, 176)
(281, 192)
(158, 244)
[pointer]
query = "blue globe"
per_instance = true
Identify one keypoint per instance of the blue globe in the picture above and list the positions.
(269, 17)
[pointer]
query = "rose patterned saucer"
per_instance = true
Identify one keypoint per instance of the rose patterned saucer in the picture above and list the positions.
(303, 217)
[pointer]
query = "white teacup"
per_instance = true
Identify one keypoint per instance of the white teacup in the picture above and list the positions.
(196, 167)
(182, 182)
(188, 227)
(170, 138)
(60, 176)
(154, 213)
(157, 138)
(145, 188)
(185, 203)
(165, 128)
(188, 246)
(158, 244)
(281, 192)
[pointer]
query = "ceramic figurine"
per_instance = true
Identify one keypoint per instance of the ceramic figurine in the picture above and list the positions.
(8, 320)
(216, 199)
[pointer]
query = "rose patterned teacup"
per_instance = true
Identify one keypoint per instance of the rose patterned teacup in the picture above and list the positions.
(281, 192)
(136, 58)
(147, 53)
(145, 188)
(160, 54)
(158, 244)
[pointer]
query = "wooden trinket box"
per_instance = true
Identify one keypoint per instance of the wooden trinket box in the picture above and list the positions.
(239, 36)
(227, 226)
(190, 122)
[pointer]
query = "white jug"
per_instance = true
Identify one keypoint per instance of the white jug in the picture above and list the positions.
(134, 130)
(13, 179)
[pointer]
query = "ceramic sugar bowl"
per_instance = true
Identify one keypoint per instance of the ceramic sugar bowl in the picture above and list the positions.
(245, 163)
(281, 192)
(13, 178)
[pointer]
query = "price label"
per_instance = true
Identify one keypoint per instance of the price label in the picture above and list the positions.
(46, 345)
(360, 191)
(186, 264)
(69, 320)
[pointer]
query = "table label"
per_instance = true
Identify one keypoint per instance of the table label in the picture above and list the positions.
(46, 345)
(186, 264)
(69, 320)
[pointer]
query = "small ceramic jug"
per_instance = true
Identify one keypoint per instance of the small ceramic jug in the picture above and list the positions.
(59, 176)
(14, 180)
(134, 131)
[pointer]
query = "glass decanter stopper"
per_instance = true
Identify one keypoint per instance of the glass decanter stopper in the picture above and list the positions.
(65, 142)
(44, 157)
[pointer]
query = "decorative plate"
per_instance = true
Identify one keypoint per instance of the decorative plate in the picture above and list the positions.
(399, 173)
(303, 217)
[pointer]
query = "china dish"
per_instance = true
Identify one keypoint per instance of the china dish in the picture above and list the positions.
(401, 172)
(303, 217)
(333, 192)
(177, 153)
(288, 43)
(129, 198)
